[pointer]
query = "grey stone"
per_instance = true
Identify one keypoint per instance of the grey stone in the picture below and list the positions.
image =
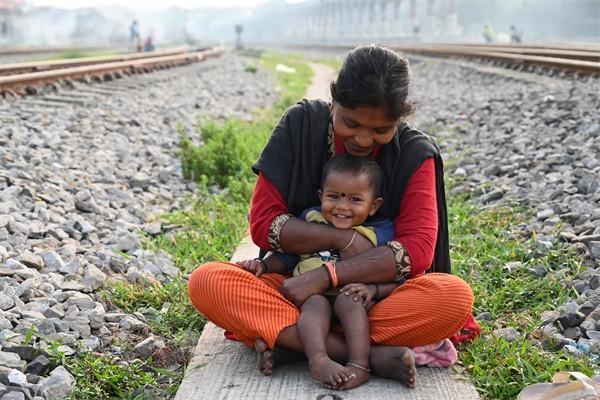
(13, 395)
(83, 226)
(16, 377)
(82, 301)
(586, 308)
(6, 302)
(595, 249)
(79, 324)
(71, 267)
(588, 184)
(12, 360)
(510, 334)
(494, 195)
(32, 260)
(128, 243)
(5, 323)
(538, 271)
(512, 266)
(131, 324)
(55, 387)
(145, 348)
(38, 365)
(572, 333)
(92, 343)
(52, 261)
(570, 319)
(153, 229)
(93, 278)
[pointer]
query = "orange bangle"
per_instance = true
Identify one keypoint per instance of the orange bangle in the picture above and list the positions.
(331, 268)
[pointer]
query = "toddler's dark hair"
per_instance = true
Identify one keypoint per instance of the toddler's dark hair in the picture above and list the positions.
(374, 76)
(355, 165)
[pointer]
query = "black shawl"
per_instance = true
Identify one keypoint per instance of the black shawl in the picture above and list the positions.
(294, 157)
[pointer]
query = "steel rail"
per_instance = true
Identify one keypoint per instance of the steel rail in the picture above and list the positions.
(46, 50)
(20, 82)
(588, 67)
(582, 66)
(34, 66)
(586, 55)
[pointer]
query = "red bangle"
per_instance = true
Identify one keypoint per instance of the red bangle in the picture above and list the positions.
(331, 268)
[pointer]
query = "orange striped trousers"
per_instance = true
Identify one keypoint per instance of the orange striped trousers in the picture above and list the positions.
(424, 310)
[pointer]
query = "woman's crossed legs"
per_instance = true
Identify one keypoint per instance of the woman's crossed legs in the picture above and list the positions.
(424, 310)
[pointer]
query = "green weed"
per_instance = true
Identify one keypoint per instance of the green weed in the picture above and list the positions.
(482, 244)
(174, 318)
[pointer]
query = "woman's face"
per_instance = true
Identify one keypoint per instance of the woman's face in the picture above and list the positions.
(363, 128)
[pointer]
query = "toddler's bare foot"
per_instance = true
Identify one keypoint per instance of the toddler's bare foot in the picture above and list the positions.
(395, 363)
(360, 377)
(332, 374)
(268, 359)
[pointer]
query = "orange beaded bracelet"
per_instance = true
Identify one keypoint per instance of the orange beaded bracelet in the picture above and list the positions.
(331, 269)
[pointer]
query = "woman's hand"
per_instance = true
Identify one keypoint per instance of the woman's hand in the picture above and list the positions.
(253, 266)
(358, 245)
(359, 291)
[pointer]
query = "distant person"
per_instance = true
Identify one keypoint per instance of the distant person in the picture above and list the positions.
(133, 32)
(149, 44)
(515, 35)
(489, 35)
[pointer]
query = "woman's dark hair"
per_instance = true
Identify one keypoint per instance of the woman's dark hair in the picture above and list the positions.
(357, 166)
(374, 76)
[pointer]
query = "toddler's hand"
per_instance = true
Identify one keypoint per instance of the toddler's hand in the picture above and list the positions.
(253, 266)
(359, 290)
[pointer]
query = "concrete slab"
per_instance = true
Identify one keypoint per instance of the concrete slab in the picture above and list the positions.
(225, 370)
(222, 369)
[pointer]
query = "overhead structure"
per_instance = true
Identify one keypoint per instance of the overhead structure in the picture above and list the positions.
(352, 20)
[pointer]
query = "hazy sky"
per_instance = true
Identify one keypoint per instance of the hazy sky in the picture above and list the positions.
(144, 4)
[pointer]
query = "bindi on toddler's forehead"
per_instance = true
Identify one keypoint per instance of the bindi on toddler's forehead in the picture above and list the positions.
(342, 194)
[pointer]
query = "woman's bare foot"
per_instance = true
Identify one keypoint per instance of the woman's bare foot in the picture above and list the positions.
(332, 374)
(265, 357)
(395, 363)
(268, 359)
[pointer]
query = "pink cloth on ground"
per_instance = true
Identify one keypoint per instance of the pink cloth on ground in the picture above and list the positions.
(441, 354)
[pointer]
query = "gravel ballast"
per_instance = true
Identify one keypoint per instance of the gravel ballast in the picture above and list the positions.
(79, 183)
(532, 142)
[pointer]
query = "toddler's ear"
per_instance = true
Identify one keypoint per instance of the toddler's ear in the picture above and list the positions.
(320, 194)
(375, 205)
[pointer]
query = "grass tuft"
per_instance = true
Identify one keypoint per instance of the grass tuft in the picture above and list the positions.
(483, 242)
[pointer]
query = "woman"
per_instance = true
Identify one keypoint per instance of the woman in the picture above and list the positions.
(366, 118)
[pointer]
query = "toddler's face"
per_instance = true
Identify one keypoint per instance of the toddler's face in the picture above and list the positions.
(347, 200)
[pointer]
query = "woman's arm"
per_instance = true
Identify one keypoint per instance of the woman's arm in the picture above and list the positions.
(417, 224)
(374, 265)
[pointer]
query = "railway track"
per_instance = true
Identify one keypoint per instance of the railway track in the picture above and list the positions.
(523, 57)
(584, 60)
(24, 54)
(30, 78)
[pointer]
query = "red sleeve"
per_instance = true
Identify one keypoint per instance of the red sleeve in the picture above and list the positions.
(267, 203)
(417, 224)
